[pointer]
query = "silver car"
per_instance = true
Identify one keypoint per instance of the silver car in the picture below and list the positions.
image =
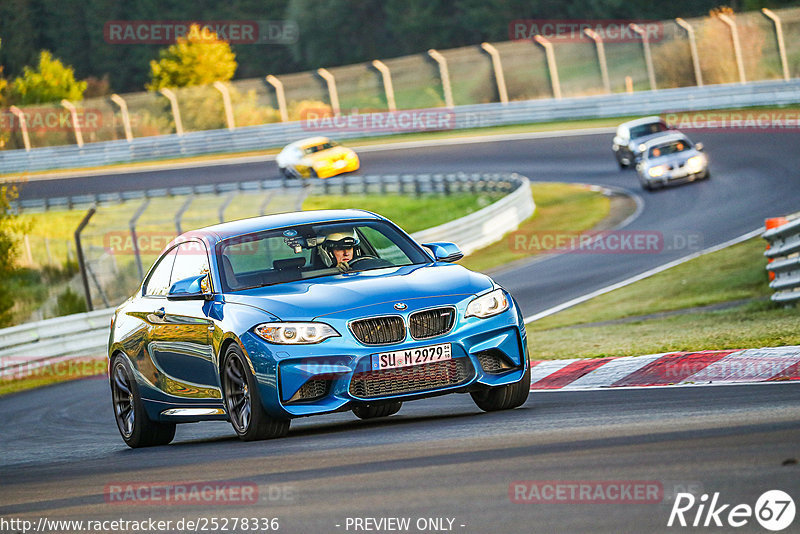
(631, 136)
(671, 158)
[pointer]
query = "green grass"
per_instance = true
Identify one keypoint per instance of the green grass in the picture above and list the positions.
(559, 208)
(412, 214)
(733, 274)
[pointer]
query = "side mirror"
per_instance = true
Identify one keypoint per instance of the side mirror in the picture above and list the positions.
(189, 289)
(448, 252)
(698, 146)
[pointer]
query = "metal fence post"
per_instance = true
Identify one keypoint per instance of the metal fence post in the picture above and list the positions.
(444, 74)
(81, 261)
(226, 103)
(601, 57)
(132, 226)
(176, 111)
(551, 64)
(737, 47)
(224, 206)
(388, 88)
(497, 65)
(779, 36)
(76, 126)
(698, 74)
(126, 118)
(181, 211)
(648, 58)
(23, 126)
(326, 75)
(267, 198)
(280, 96)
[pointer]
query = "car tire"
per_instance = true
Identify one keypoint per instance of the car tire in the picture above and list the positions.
(371, 411)
(504, 397)
(243, 401)
(135, 427)
(285, 173)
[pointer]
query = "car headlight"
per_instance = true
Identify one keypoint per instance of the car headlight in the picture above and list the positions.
(488, 305)
(295, 333)
(641, 147)
(696, 163)
(657, 171)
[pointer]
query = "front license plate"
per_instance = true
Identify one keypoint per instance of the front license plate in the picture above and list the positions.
(408, 357)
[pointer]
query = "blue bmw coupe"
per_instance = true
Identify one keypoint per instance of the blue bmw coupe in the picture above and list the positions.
(262, 320)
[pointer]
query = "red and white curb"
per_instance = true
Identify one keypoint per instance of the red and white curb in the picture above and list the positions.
(675, 368)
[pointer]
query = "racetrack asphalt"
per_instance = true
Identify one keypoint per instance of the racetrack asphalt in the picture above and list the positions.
(443, 458)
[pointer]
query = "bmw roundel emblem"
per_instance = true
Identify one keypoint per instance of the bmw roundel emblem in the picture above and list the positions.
(400, 306)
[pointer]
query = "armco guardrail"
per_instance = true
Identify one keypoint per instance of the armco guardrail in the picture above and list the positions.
(784, 251)
(485, 226)
(767, 93)
(412, 184)
(25, 347)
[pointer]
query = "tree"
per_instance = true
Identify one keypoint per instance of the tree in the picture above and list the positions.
(3, 85)
(199, 58)
(9, 229)
(50, 81)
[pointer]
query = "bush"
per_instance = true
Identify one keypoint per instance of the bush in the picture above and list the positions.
(69, 302)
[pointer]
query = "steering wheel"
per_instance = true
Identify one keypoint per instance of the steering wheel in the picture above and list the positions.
(358, 259)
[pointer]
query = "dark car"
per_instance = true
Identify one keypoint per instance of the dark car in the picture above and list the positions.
(630, 136)
(262, 320)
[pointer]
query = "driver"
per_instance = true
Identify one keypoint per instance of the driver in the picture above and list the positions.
(338, 249)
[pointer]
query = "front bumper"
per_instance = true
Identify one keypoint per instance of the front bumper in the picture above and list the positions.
(334, 372)
(674, 176)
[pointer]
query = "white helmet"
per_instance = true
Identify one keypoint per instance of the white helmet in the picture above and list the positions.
(337, 241)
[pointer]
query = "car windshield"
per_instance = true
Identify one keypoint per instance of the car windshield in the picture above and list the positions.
(648, 129)
(319, 147)
(310, 251)
(669, 148)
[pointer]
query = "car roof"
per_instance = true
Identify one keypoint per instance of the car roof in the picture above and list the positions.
(219, 232)
(643, 120)
(665, 138)
(309, 141)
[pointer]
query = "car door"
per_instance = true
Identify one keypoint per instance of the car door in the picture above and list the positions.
(179, 343)
(136, 324)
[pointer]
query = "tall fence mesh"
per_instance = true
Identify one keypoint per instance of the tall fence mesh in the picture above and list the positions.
(418, 83)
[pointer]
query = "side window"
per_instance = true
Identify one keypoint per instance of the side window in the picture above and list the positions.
(191, 260)
(158, 283)
(385, 247)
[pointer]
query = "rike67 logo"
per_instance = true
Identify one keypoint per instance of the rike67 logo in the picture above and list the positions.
(774, 510)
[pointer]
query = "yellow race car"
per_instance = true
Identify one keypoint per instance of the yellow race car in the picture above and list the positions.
(316, 157)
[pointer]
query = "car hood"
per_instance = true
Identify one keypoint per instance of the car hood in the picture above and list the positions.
(678, 158)
(309, 299)
(334, 153)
